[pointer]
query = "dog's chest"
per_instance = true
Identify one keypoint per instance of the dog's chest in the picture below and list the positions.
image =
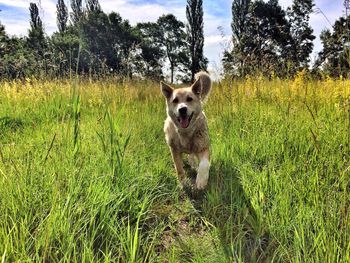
(197, 142)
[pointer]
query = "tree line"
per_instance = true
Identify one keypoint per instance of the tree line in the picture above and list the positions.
(266, 39)
(270, 40)
(91, 42)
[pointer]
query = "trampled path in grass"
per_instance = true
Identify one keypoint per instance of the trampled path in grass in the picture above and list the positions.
(85, 174)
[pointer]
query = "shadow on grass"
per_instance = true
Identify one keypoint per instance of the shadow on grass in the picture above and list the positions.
(242, 230)
(9, 124)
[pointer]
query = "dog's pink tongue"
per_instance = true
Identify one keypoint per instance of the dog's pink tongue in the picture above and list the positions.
(184, 122)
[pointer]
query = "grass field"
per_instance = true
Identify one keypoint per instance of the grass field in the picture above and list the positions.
(85, 174)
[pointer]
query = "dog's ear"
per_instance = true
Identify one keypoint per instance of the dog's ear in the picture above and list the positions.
(205, 84)
(166, 90)
(197, 87)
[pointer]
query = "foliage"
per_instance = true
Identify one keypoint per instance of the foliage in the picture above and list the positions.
(77, 11)
(301, 32)
(65, 53)
(100, 43)
(151, 54)
(93, 6)
(195, 36)
(172, 38)
(266, 38)
(36, 37)
(96, 44)
(235, 61)
(62, 16)
(335, 55)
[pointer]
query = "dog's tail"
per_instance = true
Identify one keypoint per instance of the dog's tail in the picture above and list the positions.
(205, 81)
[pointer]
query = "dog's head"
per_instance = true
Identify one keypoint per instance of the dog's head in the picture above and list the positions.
(184, 105)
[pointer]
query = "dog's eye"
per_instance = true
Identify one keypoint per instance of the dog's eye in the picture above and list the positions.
(189, 99)
(176, 100)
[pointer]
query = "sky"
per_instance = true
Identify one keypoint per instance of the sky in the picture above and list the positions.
(14, 15)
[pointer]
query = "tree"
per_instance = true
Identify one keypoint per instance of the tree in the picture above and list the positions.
(3, 48)
(301, 32)
(98, 42)
(151, 53)
(62, 16)
(334, 58)
(3, 40)
(125, 40)
(36, 37)
(77, 11)
(235, 60)
(93, 5)
(172, 37)
(65, 50)
(347, 7)
(264, 42)
(109, 41)
(16, 60)
(270, 32)
(194, 14)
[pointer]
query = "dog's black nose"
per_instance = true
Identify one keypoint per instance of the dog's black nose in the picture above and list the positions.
(183, 111)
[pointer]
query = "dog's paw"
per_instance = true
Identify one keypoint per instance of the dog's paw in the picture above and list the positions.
(203, 174)
(201, 182)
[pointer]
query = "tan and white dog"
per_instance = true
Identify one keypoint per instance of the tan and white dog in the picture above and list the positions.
(186, 128)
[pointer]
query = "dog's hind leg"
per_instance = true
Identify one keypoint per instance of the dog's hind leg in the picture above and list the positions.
(179, 166)
(192, 160)
(203, 169)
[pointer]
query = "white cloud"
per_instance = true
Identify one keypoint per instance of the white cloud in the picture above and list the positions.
(15, 3)
(15, 27)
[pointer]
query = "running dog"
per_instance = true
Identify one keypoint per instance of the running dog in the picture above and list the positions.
(186, 128)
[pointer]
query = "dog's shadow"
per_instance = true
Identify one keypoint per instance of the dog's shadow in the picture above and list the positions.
(189, 183)
(225, 204)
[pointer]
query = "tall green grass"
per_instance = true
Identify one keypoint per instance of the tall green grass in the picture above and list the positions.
(85, 174)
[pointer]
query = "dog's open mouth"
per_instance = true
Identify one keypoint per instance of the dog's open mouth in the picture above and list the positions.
(185, 121)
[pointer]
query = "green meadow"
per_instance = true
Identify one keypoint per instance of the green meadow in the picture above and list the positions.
(86, 175)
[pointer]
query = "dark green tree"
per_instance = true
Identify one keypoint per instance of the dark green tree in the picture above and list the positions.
(93, 5)
(62, 16)
(77, 11)
(125, 41)
(99, 43)
(263, 43)
(301, 32)
(3, 47)
(334, 59)
(150, 59)
(16, 60)
(194, 14)
(3, 40)
(267, 40)
(234, 61)
(109, 40)
(65, 50)
(347, 7)
(36, 37)
(172, 38)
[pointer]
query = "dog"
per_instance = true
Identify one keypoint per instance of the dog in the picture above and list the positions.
(186, 128)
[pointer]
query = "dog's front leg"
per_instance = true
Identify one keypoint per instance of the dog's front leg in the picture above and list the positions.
(203, 169)
(192, 160)
(178, 162)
